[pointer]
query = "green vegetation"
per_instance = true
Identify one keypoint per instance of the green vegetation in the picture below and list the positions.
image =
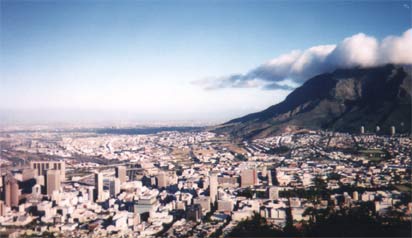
(371, 151)
(278, 150)
(255, 227)
(404, 187)
(240, 157)
(374, 155)
(356, 222)
(334, 176)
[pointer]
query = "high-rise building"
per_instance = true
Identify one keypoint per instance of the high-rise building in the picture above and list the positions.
(52, 181)
(213, 184)
(270, 180)
(248, 177)
(120, 172)
(98, 185)
(114, 187)
(90, 194)
(146, 203)
(162, 180)
(362, 130)
(204, 202)
(42, 166)
(355, 196)
(11, 191)
(2, 209)
(194, 212)
(274, 193)
(393, 130)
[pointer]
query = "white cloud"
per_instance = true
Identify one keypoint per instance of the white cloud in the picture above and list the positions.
(359, 50)
(397, 49)
(311, 62)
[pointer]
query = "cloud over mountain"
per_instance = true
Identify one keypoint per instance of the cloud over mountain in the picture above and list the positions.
(287, 70)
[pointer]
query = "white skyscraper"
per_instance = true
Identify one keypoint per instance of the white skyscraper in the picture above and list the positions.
(162, 179)
(52, 181)
(393, 130)
(213, 187)
(98, 184)
(362, 130)
(120, 172)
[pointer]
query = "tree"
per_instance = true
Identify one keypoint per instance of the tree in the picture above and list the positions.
(256, 226)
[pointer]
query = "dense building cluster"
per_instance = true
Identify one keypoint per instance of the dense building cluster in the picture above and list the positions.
(193, 184)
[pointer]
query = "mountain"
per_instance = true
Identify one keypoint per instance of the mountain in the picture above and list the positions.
(343, 100)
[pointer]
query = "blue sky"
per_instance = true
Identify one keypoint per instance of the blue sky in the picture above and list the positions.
(138, 59)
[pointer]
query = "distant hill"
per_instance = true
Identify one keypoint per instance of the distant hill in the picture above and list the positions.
(340, 101)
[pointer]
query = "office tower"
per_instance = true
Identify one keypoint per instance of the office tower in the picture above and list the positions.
(355, 195)
(98, 185)
(11, 191)
(194, 212)
(52, 181)
(273, 193)
(120, 172)
(393, 130)
(42, 166)
(248, 177)
(362, 130)
(146, 203)
(204, 202)
(270, 181)
(213, 183)
(114, 187)
(162, 180)
(2, 209)
(90, 194)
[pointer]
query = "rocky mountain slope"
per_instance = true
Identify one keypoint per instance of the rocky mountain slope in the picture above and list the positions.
(341, 101)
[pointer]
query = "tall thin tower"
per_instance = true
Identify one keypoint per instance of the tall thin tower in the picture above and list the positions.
(120, 172)
(52, 181)
(98, 184)
(213, 187)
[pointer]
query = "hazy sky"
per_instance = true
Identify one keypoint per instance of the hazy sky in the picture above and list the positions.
(140, 60)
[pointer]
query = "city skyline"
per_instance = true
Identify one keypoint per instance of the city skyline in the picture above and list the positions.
(142, 61)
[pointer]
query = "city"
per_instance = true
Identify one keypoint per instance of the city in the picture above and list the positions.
(194, 184)
(205, 118)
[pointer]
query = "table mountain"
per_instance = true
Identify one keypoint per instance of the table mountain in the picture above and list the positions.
(343, 100)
